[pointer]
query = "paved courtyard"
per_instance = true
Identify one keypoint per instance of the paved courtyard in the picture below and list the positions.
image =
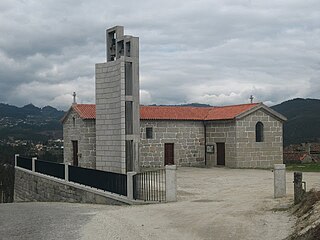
(216, 203)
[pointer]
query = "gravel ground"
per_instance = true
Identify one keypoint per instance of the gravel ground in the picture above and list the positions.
(216, 203)
(48, 221)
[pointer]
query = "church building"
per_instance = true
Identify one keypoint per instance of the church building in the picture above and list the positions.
(117, 134)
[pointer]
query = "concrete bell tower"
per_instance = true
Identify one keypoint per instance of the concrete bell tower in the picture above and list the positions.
(117, 104)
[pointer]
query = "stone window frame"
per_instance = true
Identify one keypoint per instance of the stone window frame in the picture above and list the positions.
(74, 121)
(259, 132)
(149, 132)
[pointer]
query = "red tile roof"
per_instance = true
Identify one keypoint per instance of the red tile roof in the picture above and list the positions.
(315, 147)
(228, 112)
(173, 113)
(88, 111)
(294, 156)
(193, 113)
(85, 111)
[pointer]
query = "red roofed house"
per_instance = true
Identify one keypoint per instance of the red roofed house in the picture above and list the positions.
(239, 136)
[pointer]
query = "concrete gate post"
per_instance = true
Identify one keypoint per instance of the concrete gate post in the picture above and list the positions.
(279, 180)
(34, 164)
(171, 183)
(130, 184)
(16, 159)
(66, 172)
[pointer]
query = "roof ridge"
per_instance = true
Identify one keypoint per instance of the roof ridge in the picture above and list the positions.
(208, 113)
(236, 105)
(141, 105)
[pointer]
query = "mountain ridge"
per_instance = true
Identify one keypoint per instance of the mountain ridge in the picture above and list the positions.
(303, 124)
(29, 121)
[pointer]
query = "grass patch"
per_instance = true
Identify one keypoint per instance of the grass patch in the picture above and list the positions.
(305, 167)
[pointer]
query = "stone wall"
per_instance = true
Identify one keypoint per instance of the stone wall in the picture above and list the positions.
(222, 132)
(242, 151)
(82, 131)
(110, 116)
(31, 186)
(252, 154)
(188, 139)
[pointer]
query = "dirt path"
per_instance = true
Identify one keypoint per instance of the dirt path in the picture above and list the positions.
(214, 203)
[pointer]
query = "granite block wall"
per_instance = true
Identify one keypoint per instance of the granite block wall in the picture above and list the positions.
(188, 139)
(222, 132)
(252, 154)
(83, 131)
(32, 187)
(110, 116)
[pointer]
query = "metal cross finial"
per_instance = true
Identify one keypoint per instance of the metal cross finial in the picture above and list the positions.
(251, 98)
(74, 97)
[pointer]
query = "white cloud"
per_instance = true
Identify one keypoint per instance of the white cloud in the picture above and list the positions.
(217, 52)
(145, 97)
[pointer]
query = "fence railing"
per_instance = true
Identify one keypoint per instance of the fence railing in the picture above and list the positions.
(25, 163)
(108, 181)
(153, 186)
(150, 186)
(49, 168)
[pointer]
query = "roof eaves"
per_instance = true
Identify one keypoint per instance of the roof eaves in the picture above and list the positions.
(62, 120)
(266, 108)
(172, 119)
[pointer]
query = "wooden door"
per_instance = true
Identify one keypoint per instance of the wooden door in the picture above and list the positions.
(75, 153)
(221, 153)
(168, 154)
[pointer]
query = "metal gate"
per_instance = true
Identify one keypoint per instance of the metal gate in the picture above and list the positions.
(150, 186)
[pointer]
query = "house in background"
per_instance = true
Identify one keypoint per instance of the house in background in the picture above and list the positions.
(302, 153)
(238, 136)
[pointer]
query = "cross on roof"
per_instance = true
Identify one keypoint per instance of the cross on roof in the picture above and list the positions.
(251, 98)
(74, 97)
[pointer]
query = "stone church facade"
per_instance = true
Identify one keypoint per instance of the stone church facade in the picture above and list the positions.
(198, 137)
(79, 135)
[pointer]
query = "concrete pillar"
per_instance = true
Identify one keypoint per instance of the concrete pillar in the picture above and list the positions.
(66, 171)
(16, 159)
(34, 164)
(130, 184)
(171, 183)
(279, 180)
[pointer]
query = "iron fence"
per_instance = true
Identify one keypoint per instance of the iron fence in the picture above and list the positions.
(50, 168)
(24, 163)
(108, 181)
(150, 186)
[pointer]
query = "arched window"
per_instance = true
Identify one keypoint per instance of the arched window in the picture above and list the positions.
(259, 132)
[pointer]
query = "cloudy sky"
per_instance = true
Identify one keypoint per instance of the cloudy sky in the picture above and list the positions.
(209, 51)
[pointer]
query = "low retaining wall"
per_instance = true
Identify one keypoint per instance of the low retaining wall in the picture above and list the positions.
(32, 186)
